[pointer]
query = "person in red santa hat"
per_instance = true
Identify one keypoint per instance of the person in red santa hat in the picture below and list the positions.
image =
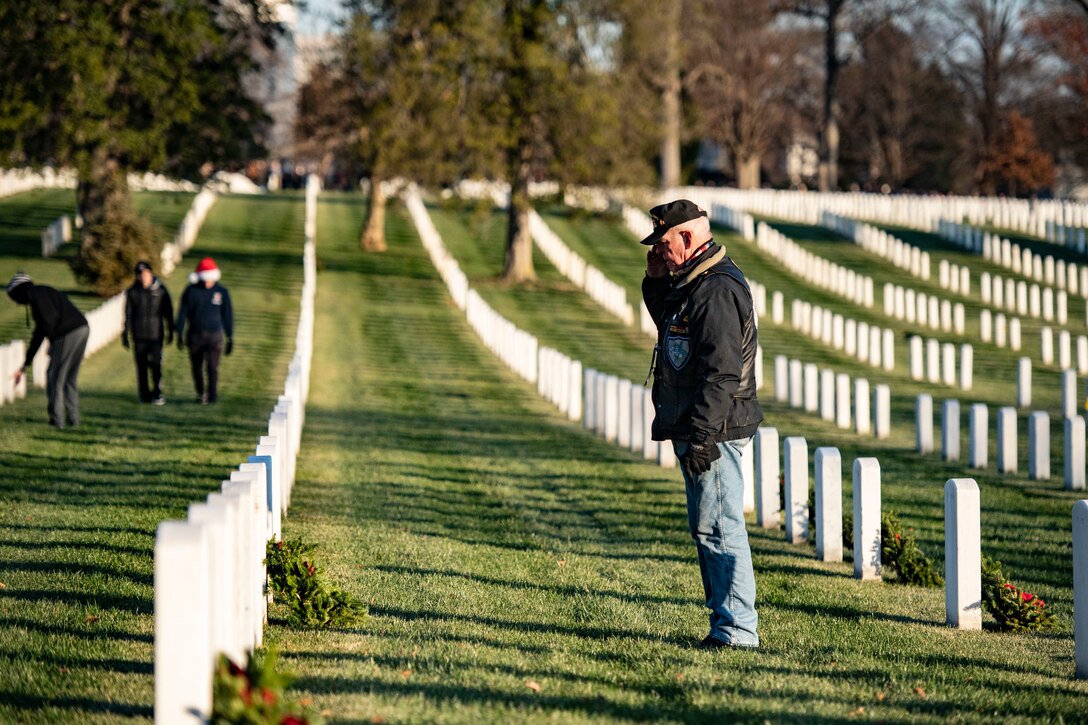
(205, 308)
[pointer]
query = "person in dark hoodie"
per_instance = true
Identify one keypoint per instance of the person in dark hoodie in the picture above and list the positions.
(205, 308)
(705, 402)
(148, 314)
(55, 319)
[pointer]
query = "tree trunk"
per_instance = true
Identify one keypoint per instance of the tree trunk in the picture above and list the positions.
(373, 239)
(670, 100)
(747, 171)
(519, 242)
(102, 190)
(829, 132)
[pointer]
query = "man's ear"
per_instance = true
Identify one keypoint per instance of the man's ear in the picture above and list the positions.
(687, 237)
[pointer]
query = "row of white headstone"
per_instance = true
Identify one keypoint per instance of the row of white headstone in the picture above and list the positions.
(935, 362)
(1064, 358)
(804, 386)
(739, 221)
(1018, 260)
(1034, 301)
(963, 539)
(16, 181)
(917, 212)
(868, 343)
(813, 268)
(210, 575)
(879, 242)
(954, 277)
(909, 305)
(608, 294)
(185, 237)
(794, 481)
(1007, 445)
(1075, 237)
(56, 235)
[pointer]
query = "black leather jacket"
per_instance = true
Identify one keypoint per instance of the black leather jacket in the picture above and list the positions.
(704, 372)
(148, 311)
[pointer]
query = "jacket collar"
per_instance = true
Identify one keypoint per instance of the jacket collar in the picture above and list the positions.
(706, 263)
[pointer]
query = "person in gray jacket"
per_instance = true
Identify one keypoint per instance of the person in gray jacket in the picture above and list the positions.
(705, 402)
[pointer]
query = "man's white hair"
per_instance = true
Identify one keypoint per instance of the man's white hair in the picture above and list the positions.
(699, 227)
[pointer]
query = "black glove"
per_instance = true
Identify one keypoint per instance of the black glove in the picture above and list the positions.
(697, 458)
(124, 340)
(229, 348)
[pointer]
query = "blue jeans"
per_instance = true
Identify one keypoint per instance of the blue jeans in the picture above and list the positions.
(716, 522)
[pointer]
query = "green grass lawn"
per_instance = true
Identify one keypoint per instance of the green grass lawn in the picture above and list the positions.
(518, 568)
(78, 508)
(24, 216)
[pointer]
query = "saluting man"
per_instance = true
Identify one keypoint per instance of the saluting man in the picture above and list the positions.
(205, 308)
(705, 402)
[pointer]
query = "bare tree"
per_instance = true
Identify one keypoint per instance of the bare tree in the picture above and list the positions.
(988, 56)
(739, 83)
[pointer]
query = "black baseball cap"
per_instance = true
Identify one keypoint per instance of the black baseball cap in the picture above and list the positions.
(141, 266)
(667, 216)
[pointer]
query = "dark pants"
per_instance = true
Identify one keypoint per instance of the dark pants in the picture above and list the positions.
(205, 348)
(65, 357)
(148, 359)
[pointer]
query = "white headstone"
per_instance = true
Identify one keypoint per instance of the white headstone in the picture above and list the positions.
(1014, 333)
(862, 420)
(638, 428)
(1065, 350)
(623, 413)
(589, 390)
(932, 360)
(1046, 346)
(611, 408)
(948, 363)
(827, 394)
(842, 401)
(797, 393)
(748, 474)
(950, 430)
(767, 482)
(917, 364)
(649, 445)
(963, 554)
(812, 387)
(781, 379)
(979, 435)
(882, 411)
(888, 350)
(1039, 446)
(666, 455)
(1074, 452)
(967, 366)
(828, 468)
(923, 414)
(1080, 589)
(866, 485)
(1006, 440)
(1023, 383)
(183, 654)
(795, 465)
(1069, 393)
